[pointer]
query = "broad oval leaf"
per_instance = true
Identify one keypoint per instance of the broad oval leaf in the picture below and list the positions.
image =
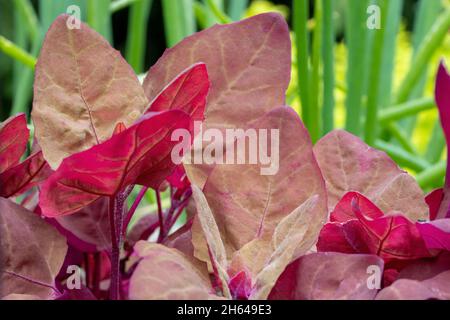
(249, 65)
(348, 164)
(327, 276)
(13, 141)
(139, 155)
(82, 88)
(32, 253)
(248, 205)
(166, 274)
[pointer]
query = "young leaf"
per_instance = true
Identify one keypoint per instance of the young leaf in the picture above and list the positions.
(348, 164)
(13, 141)
(32, 253)
(327, 276)
(82, 88)
(166, 274)
(392, 237)
(344, 210)
(139, 155)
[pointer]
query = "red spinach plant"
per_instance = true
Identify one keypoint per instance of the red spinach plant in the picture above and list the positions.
(331, 213)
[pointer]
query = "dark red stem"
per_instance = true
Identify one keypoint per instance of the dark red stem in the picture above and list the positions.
(115, 252)
(96, 284)
(160, 217)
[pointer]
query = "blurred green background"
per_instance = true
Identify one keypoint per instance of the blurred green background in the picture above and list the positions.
(385, 95)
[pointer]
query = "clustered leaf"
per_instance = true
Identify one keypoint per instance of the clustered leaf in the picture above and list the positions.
(327, 218)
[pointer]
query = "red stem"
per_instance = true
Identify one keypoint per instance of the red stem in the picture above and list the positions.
(96, 284)
(160, 217)
(115, 254)
(133, 208)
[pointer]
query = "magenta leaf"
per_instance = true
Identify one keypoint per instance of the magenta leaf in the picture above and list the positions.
(32, 253)
(433, 200)
(13, 141)
(344, 209)
(241, 285)
(327, 276)
(88, 230)
(392, 237)
(23, 176)
(436, 234)
(139, 155)
(187, 92)
(442, 94)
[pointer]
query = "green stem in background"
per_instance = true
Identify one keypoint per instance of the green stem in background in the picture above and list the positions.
(137, 34)
(429, 45)
(179, 20)
(300, 22)
(433, 176)
(201, 14)
(26, 17)
(406, 109)
(211, 18)
(99, 17)
(220, 16)
(120, 4)
(328, 67)
(26, 10)
(371, 128)
(17, 53)
(356, 44)
(401, 137)
(236, 9)
(392, 26)
(402, 157)
(314, 129)
(436, 144)
(21, 40)
(21, 101)
(50, 9)
(427, 11)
